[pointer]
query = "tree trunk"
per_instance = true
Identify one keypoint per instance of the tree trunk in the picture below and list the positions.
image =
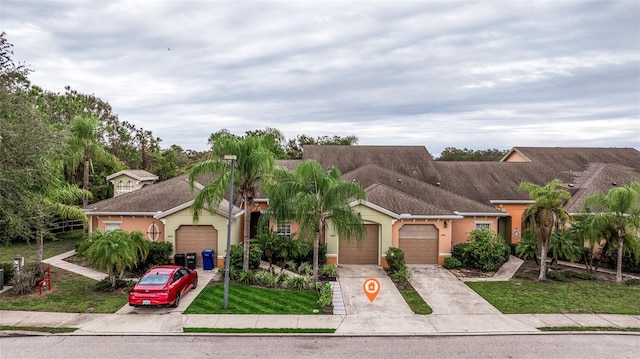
(316, 252)
(247, 231)
(85, 179)
(543, 261)
(620, 254)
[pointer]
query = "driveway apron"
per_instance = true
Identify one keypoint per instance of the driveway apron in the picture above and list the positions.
(445, 293)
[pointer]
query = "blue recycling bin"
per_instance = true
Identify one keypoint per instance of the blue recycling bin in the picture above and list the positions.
(207, 259)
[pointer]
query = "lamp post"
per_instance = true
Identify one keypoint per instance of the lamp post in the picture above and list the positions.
(228, 256)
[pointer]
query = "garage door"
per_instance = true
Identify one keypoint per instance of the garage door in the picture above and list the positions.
(419, 243)
(360, 252)
(195, 239)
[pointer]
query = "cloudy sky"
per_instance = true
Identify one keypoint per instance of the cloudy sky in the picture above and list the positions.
(492, 74)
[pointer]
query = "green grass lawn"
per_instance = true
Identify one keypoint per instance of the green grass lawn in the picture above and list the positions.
(253, 300)
(64, 243)
(70, 293)
(39, 329)
(415, 302)
(592, 297)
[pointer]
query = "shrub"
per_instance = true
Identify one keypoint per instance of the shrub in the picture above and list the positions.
(452, 262)
(485, 250)
(281, 277)
(9, 271)
(325, 294)
(528, 247)
(634, 281)
(329, 270)
(298, 283)
(159, 254)
(26, 279)
(106, 286)
(237, 254)
(233, 273)
(402, 275)
(395, 259)
(629, 263)
(266, 279)
(305, 268)
(246, 277)
(291, 265)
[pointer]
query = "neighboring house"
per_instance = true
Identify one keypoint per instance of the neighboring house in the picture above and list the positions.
(130, 180)
(422, 206)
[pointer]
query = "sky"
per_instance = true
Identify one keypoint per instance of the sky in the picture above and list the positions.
(477, 74)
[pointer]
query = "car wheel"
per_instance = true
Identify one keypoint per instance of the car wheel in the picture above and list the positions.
(195, 283)
(176, 302)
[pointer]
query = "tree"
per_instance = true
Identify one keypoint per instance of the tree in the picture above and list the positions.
(455, 154)
(311, 196)
(84, 147)
(114, 252)
(545, 215)
(294, 146)
(620, 210)
(254, 164)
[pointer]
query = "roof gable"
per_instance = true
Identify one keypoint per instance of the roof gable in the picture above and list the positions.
(138, 175)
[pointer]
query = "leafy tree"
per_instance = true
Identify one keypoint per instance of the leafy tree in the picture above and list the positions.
(294, 146)
(114, 251)
(545, 215)
(620, 210)
(268, 241)
(254, 165)
(84, 147)
(455, 154)
(311, 196)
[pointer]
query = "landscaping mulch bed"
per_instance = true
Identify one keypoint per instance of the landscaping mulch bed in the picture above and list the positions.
(470, 273)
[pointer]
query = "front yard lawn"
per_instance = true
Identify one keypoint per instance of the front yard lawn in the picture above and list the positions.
(70, 293)
(65, 242)
(245, 299)
(589, 297)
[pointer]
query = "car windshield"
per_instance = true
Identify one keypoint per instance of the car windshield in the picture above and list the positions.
(154, 279)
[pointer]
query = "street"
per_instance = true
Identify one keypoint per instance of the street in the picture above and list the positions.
(200, 346)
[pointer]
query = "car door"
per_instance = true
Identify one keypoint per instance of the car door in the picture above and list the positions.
(183, 279)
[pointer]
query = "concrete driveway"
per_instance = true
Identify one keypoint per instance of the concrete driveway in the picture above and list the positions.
(445, 293)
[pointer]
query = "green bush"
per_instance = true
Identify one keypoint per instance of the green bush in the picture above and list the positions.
(266, 279)
(329, 270)
(485, 250)
(159, 254)
(106, 285)
(402, 275)
(246, 277)
(395, 259)
(629, 263)
(325, 294)
(298, 283)
(9, 271)
(305, 268)
(528, 247)
(237, 254)
(452, 262)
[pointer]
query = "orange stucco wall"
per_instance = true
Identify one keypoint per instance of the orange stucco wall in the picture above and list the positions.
(444, 241)
(463, 227)
(129, 224)
(516, 212)
(515, 157)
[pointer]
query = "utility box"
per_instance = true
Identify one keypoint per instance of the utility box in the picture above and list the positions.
(191, 260)
(207, 259)
(178, 259)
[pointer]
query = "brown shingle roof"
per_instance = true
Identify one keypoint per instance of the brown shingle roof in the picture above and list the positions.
(400, 203)
(437, 197)
(599, 177)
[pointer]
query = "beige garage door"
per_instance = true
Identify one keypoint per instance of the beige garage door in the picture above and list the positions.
(195, 239)
(419, 243)
(360, 252)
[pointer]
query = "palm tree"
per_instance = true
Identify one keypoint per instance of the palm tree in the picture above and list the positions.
(114, 251)
(620, 210)
(311, 196)
(545, 215)
(254, 164)
(84, 147)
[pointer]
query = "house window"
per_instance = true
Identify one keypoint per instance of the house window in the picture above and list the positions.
(129, 187)
(486, 226)
(124, 187)
(120, 186)
(153, 232)
(111, 226)
(284, 229)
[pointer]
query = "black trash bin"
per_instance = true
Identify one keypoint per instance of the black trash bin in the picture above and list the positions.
(191, 260)
(178, 259)
(207, 259)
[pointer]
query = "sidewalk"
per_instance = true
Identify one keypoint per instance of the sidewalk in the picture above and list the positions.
(362, 318)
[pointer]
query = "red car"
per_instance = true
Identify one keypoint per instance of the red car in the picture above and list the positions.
(163, 285)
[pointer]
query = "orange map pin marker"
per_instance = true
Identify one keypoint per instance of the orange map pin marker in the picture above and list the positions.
(371, 287)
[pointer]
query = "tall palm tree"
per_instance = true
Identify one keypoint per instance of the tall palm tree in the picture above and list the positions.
(620, 210)
(545, 215)
(311, 196)
(84, 147)
(254, 165)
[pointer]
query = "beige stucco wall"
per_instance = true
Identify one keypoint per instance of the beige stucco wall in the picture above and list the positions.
(124, 178)
(185, 217)
(516, 157)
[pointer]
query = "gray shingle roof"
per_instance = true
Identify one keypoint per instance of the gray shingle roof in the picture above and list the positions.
(400, 203)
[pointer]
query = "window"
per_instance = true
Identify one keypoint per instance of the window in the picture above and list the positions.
(284, 229)
(483, 226)
(111, 226)
(120, 186)
(124, 187)
(129, 187)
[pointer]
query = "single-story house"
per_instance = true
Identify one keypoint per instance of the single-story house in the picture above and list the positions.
(422, 206)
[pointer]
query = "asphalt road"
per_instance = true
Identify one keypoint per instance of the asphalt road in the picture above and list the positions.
(546, 346)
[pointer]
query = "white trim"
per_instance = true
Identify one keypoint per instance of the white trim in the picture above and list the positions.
(512, 201)
(89, 212)
(186, 205)
(132, 175)
(402, 215)
(374, 207)
(411, 216)
(481, 214)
